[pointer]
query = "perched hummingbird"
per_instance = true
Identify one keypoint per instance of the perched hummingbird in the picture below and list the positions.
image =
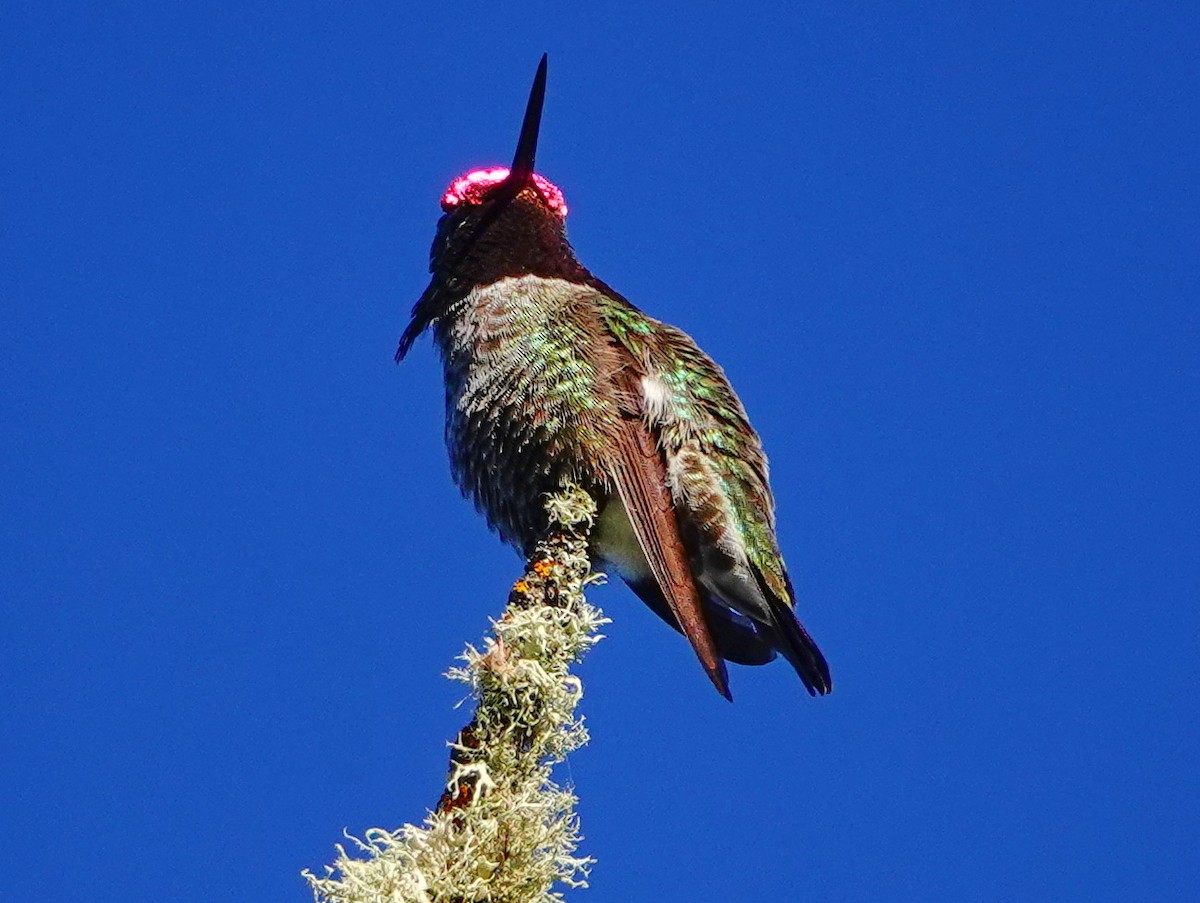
(552, 377)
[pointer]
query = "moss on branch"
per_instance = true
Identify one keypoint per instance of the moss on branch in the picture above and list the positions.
(503, 831)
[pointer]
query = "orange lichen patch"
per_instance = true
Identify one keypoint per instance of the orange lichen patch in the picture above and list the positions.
(520, 587)
(543, 568)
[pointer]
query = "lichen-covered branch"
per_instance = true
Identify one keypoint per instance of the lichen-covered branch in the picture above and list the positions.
(503, 831)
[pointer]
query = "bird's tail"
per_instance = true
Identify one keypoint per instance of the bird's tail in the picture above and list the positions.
(800, 649)
(796, 645)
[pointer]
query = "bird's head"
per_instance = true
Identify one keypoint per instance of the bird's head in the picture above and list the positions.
(504, 221)
(497, 222)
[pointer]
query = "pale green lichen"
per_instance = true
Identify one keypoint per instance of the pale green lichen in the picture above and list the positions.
(504, 831)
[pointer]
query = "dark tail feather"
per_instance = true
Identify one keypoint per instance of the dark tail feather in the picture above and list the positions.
(800, 649)
(796, 645)
(745, 646)
(735, 642)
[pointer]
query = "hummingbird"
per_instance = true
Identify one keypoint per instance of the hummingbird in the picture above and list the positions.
(552, 377)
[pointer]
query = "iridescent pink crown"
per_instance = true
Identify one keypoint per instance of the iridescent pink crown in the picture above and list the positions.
(473, 188)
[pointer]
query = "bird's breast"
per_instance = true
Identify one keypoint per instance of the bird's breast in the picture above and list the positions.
(525, 402)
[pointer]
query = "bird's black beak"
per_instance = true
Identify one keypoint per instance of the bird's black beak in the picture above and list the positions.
(521, 171)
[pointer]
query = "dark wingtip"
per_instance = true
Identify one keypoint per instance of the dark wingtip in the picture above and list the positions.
(522, 166)
(720, 678)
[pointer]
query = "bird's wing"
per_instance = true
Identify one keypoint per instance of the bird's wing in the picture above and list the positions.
(716, 465)
(638, 472)
(718, 478)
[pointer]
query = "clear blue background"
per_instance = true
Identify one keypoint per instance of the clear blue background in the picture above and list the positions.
(947, 253)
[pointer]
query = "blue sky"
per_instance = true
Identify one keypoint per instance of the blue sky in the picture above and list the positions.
(948, 255)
